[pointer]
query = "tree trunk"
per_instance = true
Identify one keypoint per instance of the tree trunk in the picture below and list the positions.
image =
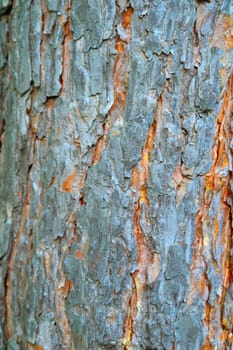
(116, 174)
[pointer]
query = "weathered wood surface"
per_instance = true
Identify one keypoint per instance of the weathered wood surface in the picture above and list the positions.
(116, 174)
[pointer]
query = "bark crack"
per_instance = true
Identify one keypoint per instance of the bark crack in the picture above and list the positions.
(9, 328)
(214, 234)
(120, 83)
(66, 51)
(148, 262)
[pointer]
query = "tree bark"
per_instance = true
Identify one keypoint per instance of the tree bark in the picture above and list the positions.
(116, 174)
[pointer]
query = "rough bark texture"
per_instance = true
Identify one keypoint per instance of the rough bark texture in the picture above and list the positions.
(116, 174)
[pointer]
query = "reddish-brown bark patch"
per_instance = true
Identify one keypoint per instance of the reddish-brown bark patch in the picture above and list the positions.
(216, 187)
(67, 184)
(148, 262)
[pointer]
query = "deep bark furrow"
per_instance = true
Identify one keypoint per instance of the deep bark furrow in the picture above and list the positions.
(120, 84)
(9, 286)
(65, 75)
(148, 262)
(214, 233)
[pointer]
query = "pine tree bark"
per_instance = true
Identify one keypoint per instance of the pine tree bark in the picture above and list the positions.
(116, 174)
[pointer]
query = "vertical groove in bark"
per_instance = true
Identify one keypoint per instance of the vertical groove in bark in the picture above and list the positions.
(120, 83)
(9, 328)
(43, 40)
(213, 242)
(63, 286)
(65, 75)
(148, 262)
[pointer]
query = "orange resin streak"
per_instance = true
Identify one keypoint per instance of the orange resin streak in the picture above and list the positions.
(120, 77)
(216, 183)
(148, 262)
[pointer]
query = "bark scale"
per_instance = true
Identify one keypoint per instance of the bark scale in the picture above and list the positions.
(116, 174)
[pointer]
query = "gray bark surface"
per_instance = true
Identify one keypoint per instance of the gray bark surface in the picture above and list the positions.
(116, 174)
